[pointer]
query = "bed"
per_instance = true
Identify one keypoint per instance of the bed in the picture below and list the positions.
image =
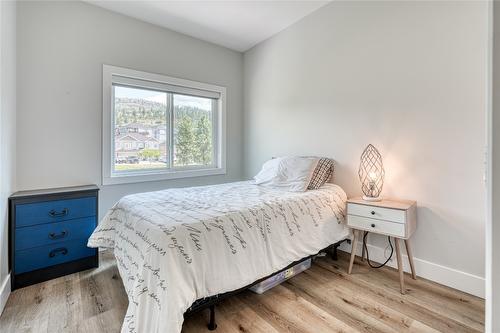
(177, 246)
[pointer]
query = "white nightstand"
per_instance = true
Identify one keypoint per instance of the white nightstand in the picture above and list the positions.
(395, 218)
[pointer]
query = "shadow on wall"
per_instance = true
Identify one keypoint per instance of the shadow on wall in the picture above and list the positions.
(433, 222)
(347, 177)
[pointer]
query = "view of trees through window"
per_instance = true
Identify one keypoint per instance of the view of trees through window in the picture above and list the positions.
(192, 131)
(142, 133)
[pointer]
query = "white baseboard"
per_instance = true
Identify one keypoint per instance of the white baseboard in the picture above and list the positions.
(447, 276)
(4, 292)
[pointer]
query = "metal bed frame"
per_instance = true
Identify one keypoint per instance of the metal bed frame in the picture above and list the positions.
(212, 301)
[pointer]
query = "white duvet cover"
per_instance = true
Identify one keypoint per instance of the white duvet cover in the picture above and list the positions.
(175, 246)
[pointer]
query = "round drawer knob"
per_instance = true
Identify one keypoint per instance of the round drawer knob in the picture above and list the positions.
(373, 225)
(373, 212)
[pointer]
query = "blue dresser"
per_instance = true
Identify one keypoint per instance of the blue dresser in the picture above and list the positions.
(48, 233)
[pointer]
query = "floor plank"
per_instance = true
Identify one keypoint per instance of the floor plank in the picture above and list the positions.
(322, 299)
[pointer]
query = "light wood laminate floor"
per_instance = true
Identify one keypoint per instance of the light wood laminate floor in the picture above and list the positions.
(322, 299)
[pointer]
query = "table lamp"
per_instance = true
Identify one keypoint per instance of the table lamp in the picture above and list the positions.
(371, 173)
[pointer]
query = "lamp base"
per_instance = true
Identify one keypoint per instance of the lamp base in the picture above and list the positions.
(365, 198)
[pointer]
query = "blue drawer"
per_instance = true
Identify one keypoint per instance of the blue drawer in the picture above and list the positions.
(50, 233)
(54, 211)
(49, 255)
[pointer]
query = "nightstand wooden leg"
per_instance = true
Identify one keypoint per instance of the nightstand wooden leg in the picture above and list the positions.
(410, 259)
(362, 247)
(353, 251)
(400, 266)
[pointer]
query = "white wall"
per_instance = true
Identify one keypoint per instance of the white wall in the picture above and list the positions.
(493, 231)
(7, 132)
(61, 48)
(408, 77)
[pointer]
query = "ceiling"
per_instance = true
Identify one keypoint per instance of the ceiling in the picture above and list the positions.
(238, 25)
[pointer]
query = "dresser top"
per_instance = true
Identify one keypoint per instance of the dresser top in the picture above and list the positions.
(58, 190)
(384, 203)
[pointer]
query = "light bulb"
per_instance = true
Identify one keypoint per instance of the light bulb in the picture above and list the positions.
(372, 175)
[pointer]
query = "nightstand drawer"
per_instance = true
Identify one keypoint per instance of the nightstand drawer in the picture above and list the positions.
(49, 255)
(54, 211)
(50, 233)
(377, 226)
(386, 214)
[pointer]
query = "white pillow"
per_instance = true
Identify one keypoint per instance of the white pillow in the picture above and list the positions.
(268, 172)
(291, 173)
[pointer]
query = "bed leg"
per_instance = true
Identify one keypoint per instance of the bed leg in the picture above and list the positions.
(212, 326)
(333, 252)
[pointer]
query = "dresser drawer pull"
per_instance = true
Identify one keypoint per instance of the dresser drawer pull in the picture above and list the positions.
(64, 212)
(63, 234)
(373, 225)
(62, 250)
(373, 212)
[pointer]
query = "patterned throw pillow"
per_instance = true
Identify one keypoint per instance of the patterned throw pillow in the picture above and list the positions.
(322, 173)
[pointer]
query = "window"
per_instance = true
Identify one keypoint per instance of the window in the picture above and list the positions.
(158, 127)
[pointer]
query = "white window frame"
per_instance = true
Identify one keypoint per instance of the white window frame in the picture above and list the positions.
(113, 74)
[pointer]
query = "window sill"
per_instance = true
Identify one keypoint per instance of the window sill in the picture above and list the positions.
(158, 176)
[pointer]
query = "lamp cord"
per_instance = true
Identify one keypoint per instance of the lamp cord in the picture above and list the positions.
(368, 257)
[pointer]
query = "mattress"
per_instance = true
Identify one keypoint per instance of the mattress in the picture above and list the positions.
(175, 246)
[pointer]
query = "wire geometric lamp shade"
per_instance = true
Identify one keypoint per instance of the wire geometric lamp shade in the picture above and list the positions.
(371, 173)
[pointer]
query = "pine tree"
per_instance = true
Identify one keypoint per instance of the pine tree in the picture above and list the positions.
(203, 141)
(184, 144)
